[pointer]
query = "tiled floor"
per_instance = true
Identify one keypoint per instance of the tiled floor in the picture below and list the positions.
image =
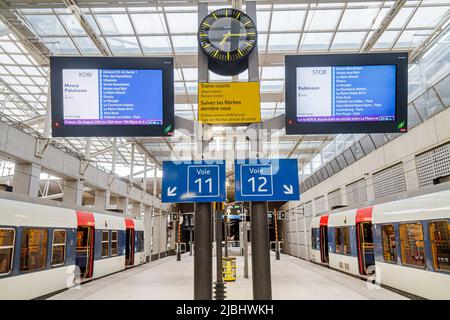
(168, 279)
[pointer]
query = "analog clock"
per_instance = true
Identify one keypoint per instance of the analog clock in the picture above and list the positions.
(227, 37)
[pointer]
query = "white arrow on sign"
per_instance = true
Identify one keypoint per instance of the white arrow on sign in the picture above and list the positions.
(288, 190)
(171, 192)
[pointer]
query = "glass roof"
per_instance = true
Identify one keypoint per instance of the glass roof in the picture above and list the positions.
(136, 29)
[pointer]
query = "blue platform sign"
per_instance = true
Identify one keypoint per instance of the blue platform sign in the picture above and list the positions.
(266, 180)
(193, 181)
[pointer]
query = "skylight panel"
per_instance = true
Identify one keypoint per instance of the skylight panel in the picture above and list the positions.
(287, 20)
(411, 38)
(315, 41)
(123, 45)
(357, 18)
(427, 17)
(322, 19)
(283, 42)
(72, 24)
(272, 73)
(46, 25)
(86, 46)
(386, 40)
(155, 44)
(400, 18)
(184, 44)
(148, 23)
(262, 20)
(115, 24)
(348, 40)
(182, 22)
(63, 46)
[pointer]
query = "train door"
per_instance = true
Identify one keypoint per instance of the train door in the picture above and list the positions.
(129, 242)
(364, 238)
(324, 244)
(324, 239)
(84, 256)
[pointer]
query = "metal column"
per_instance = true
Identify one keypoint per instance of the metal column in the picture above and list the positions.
(261, 276)
(203, 252)
(219, 284)
(203, 216)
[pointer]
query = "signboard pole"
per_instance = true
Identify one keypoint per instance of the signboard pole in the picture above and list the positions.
(179, 237)
(261, 276)
(203, 217)
(277, 245)
(219, 285)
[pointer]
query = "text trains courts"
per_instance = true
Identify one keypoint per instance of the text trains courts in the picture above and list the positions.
(255, 180)
(229, 102)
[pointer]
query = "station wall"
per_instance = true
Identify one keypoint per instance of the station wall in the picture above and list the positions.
(408, 163)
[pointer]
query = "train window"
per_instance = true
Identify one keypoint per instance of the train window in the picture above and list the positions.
(6, 250)
(141, 240)
(440, 244)
(58, 248)
(33, 251)
(412, 245)
(346, 242)
(313, 238)
(338, 239)
(105, 244)
(342, 240)
(114, 247)
(388, 238)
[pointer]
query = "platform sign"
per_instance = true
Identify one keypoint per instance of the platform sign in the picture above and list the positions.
(195, 181)
(229, 102)
(266, 180)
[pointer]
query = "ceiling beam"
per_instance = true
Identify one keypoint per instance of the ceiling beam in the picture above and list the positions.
(27, 38)
(75, 10)
(384, 24)
(440, 28)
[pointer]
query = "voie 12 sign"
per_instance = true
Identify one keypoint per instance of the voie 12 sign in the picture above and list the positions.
(193, 181)
(106, 96)
(266, 180)
(346, 93)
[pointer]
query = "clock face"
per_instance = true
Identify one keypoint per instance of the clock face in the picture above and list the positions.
(227, 35)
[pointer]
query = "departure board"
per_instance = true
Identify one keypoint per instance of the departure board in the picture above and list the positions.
(346, 93)
(112, 96)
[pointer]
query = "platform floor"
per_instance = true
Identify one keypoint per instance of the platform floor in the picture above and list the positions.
(168, 279)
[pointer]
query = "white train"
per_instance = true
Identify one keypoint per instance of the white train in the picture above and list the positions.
(45, 249)
(403, 244)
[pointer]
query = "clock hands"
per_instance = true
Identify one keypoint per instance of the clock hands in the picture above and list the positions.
(229, 34)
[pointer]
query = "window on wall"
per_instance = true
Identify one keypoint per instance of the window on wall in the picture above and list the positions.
(440, 245)
(388, 239)
(58, 248)
(114, 246)
(412, 244)
(33, 251)
(6, 250)
(105, 244)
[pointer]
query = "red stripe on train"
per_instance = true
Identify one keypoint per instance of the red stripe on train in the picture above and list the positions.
(129, 223)
(324, 220)
(85, 219)
(364, 214)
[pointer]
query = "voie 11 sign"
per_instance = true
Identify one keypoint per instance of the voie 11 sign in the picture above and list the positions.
(266, 180)
(193, 181)
(106, 96)
(346, 93)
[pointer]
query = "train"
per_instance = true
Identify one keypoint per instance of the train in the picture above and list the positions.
(403, 245)
(46, 249)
